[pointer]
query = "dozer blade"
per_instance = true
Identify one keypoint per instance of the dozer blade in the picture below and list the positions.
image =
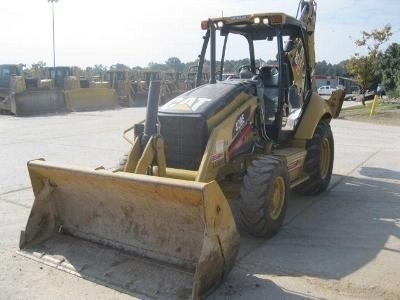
(89, 99)
(146, 235)
(36, 102)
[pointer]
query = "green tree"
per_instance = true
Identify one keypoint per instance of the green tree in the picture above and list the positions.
(321, 68)
(120, 66)
(390, 65)
(157, 67)
(328, 69)
(373, 40)
(365, 69)
(99, 68)
(175, 64)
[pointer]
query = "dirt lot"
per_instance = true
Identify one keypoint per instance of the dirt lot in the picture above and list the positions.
(387, 112)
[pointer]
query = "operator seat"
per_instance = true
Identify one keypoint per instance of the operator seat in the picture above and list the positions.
(268, 91)
(245, 74)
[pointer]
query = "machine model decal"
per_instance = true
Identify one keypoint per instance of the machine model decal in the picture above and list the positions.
(241, 122)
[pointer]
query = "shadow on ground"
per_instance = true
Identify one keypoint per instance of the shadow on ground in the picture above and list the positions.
(327, 237)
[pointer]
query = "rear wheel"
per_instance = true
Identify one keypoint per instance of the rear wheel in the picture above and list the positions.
(319, 161)
(264, 196)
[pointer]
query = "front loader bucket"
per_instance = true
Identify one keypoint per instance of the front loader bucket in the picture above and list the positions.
(36, 102)
(90, 99)
(146, 235)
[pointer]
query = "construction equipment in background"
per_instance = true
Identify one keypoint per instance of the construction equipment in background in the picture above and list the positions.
(121, 82)
(170, 86)
(160, 226)
(132, 87)
(191, 75)
(11, 83)
(60, 91)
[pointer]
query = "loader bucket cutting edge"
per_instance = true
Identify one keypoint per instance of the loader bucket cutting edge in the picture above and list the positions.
(130, 230)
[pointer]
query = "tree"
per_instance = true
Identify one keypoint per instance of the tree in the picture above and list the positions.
(37, 70)
(365, 69)
(321, 68)
(390, 65)
(175, 64)
(99, 68)
(40, 64)
(157, 67)
(120, 66)
(374, 39)
(328, 69)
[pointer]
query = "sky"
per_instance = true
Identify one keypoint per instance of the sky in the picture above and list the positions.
(134, 33)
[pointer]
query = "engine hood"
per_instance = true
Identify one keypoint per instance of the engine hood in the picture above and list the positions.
(208, 99)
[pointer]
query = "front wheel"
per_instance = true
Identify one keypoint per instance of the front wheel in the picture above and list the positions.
(319, 161)
(264, 196)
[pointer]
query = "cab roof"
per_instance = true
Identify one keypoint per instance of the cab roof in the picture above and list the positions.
(257, 26)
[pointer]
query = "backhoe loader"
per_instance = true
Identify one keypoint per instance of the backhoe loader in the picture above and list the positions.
(160, 225)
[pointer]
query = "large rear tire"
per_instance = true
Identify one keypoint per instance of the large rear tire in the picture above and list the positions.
(264, 196)
(319, 161)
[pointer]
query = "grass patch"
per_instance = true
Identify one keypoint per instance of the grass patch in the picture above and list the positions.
(386, 113)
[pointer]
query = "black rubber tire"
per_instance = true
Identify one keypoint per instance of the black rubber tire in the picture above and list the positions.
(266, 179)
(319, 161)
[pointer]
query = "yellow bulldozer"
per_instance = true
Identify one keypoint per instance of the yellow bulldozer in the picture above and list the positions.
(160, 225)
(12, 84)
(62, 90)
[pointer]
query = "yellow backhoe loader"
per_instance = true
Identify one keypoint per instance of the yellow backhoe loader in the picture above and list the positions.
(160, 226)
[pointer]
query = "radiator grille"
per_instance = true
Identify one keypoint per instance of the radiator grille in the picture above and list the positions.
(185, 140)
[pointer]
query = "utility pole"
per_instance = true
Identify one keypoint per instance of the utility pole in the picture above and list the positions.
(54, 40)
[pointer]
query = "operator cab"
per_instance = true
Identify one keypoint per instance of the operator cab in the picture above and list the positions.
(58, 74)
(6, 72)
(276, 62)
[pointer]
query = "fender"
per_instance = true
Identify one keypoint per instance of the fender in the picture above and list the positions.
(317, 109)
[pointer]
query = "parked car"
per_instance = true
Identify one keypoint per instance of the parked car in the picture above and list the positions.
(326, 90)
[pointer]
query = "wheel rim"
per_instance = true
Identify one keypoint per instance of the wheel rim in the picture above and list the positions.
(325, 157)
(277, 198)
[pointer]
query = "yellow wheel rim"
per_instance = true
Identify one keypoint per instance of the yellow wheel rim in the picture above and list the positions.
(325, 158)
(277, 198)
